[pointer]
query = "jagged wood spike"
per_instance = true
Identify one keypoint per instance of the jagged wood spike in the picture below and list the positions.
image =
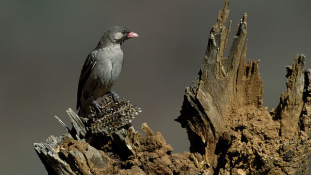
(62, 123)
(77, 124)
(147, 130)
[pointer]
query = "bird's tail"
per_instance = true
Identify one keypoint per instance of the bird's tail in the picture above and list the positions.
(82, 113)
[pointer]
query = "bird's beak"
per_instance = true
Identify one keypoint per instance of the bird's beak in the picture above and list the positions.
(132, 35)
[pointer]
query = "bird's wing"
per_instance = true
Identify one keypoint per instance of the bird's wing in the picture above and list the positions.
(85, 73)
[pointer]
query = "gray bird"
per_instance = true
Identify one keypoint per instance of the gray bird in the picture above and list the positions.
(102, 68)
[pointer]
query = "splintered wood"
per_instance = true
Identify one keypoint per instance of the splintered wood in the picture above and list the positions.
(224, 118)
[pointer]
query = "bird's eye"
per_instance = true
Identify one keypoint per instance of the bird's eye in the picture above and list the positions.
(123, 31)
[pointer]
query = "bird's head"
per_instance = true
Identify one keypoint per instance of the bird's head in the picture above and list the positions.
(118, 34)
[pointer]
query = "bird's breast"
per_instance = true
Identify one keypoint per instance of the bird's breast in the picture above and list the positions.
(108, 65)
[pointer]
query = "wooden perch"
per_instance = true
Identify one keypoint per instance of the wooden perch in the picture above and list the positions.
(228, 129)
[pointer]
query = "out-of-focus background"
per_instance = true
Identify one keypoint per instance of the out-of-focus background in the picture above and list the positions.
(43, 45)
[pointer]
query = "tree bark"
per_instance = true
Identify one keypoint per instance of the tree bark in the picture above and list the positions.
(228, 129)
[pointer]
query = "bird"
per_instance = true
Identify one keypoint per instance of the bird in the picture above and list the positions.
(101, 69)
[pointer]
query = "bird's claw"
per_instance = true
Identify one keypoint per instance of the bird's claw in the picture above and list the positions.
(115, 97)
(97, 107)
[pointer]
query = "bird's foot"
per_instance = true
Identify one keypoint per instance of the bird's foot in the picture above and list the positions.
(97, 107)
(115, 97)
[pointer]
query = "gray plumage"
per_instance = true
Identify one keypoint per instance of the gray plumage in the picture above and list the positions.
(102, 68)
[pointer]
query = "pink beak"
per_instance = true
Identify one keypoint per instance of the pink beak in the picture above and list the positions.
(132, 35)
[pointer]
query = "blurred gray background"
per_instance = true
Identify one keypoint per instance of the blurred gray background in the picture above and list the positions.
(44, 44)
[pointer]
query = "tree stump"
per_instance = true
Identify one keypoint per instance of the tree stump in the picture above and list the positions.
(229, 130)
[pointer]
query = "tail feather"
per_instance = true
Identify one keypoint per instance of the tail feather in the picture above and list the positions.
(82, 113)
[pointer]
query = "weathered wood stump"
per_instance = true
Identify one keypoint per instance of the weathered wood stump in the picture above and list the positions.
(229, 130)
